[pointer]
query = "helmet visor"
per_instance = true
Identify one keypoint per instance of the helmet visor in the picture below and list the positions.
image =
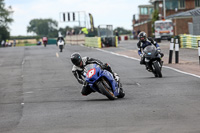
(78, 63)
(142, 38)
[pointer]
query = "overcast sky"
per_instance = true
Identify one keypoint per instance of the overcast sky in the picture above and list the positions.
(119, 13)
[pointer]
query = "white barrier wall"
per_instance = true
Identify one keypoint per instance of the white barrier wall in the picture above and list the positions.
(75, 39)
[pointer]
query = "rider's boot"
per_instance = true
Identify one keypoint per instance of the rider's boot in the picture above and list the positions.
(147, 68)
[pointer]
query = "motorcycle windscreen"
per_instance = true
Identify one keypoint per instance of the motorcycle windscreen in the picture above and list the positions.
(149, 50)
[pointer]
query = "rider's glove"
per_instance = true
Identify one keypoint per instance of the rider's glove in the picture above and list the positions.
(158, 49)
(141, 55)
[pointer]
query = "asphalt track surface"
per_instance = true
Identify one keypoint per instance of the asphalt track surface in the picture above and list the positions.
(39, 94)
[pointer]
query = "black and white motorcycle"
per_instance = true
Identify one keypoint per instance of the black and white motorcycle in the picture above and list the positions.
(153, 60)
(61, 44)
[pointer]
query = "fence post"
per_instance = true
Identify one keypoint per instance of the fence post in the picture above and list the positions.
(177, 51)
(171, 50)
(199, 50)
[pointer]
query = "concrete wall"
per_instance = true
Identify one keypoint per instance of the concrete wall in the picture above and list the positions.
(75, 39)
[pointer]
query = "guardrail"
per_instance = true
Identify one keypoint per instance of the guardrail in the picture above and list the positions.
(189, 41)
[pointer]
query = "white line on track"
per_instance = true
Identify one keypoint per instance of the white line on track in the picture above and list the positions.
(139, 60)
(57, 55)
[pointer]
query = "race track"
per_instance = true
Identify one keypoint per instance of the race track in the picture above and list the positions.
(39, 94)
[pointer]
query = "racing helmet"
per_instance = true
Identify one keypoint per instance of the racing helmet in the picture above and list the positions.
(76, 59)
(142, 36)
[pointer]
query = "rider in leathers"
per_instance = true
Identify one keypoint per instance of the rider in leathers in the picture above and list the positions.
(143, 42)
(78, 68)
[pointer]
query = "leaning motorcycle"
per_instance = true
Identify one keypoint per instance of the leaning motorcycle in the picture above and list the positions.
(153, 60)
(102, 81)
(61, 44)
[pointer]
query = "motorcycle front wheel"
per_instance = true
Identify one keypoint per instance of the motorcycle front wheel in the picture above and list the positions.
(106, 90)
(157, 69)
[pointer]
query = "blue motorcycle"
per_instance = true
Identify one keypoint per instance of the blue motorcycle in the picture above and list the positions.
(102, 81)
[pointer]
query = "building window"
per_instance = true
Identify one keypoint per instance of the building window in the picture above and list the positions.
(144, 11)
(197, 3)
(181, 4)
(171, 4)
(150, 10)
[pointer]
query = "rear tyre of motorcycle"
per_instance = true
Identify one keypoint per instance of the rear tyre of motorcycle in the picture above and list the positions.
(157, 70)
(121, 93)
(61, 48)
(105, 90)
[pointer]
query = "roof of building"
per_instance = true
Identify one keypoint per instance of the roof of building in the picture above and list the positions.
(152, 1)
(180, 14)
(145, 6)
(193, 12)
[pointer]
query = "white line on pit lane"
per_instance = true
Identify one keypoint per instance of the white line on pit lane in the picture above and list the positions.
(139, 60)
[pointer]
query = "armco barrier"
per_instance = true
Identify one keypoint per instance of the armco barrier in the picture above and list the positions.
(93, 42)
(189, 41)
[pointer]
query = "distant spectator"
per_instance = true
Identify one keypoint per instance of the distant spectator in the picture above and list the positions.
(38, 43)
(138, 32)
(14, 42)
(7, 43)
(73, 32)
(85, 31)
(2, 43)
(133, 34)
(67, 32)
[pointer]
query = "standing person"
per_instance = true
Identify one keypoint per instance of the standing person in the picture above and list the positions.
(138, 32)
(117, 35)
(7, 42)
(73, 32)
(133, 34)
(14, 42)
(2, 43)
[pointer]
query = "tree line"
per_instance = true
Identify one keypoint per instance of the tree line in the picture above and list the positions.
(40, 27)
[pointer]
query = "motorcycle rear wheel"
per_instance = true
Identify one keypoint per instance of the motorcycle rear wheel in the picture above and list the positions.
(61, 48)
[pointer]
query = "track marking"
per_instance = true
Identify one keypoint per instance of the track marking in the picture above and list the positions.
(29, 92)
(57, 55)
(197, 76)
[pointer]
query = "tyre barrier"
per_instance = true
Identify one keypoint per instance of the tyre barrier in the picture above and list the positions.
(189, 41)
